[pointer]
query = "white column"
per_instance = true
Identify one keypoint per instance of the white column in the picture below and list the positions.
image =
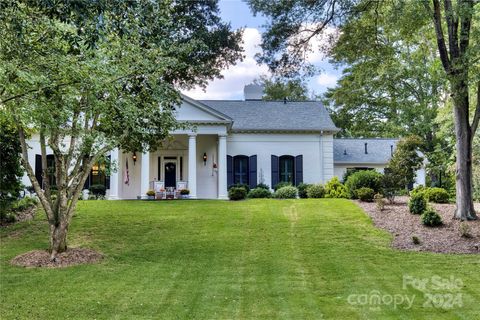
(145, 175)
(115, 177)
(192, 165)
(222, 167)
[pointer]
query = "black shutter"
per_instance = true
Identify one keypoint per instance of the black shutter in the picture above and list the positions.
(107, 177)
(252, 171)
(298, 170)
(229, 170)
(38, 169)
(275, 173)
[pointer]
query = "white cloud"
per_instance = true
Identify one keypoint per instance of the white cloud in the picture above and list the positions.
(237, 76)
(327, 80)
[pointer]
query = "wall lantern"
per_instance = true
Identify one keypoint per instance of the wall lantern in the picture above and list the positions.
(204, 158)
(134, 157)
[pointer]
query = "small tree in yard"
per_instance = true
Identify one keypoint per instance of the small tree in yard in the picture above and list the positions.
(402, 167)
(90, 76)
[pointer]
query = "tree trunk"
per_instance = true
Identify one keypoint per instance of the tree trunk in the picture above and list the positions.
(58, 239)
(464, 198)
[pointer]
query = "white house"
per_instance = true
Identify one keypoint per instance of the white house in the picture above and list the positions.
(244, 141)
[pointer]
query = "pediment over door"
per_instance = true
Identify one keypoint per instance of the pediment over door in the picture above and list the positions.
(193, 111)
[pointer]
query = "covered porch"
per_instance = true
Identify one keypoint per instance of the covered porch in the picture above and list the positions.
(192, 161)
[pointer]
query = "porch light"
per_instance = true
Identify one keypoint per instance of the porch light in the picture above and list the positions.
(134, 157)
(204, 158)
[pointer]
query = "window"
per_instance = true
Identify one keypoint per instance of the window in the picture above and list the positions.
(286, 169)
(240, 170)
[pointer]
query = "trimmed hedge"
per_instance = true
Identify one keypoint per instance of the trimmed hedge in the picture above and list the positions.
(237, 193)
(287, 192)
(364, 179)
(437, 195)
(263, 186)
(259, 193)
(316, 191)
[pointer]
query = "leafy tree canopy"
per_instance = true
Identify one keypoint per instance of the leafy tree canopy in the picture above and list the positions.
(88, 76)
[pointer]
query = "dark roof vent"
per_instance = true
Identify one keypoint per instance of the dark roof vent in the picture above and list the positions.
(391, 150)
(285, 100)
(366, 149)
(345, 152)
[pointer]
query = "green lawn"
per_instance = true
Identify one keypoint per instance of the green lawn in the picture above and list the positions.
(256, 259)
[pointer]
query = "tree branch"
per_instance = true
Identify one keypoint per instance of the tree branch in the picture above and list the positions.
(452, 27)
(437, 21)
(476, 117)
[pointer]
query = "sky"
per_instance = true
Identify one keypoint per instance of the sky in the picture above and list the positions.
(237, 76)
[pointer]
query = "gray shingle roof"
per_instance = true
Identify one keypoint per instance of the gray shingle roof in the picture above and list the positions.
(253, 115)
(353, 150)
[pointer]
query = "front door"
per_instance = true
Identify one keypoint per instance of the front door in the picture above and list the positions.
(170, 174)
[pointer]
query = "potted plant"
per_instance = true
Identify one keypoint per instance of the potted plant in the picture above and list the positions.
(151, 194)
(184, 193)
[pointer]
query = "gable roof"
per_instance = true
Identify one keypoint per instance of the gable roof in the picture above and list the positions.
(253, 115)
(352, 151)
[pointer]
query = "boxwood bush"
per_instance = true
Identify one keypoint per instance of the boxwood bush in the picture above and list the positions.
(263, 186)
(437, 195)
(302, 190)
(431, 218)
(259, 193)
(237, 193)
(364, 179)
(417, 203)
(316, 191)
(281, 185)
(365, 194)
(240, 185)
(287, 192)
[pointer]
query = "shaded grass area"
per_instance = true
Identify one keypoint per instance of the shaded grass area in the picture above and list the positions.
(255, 259)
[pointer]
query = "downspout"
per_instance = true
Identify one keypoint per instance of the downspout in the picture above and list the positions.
(321, 158)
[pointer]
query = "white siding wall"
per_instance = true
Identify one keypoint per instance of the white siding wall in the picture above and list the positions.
(265, 145)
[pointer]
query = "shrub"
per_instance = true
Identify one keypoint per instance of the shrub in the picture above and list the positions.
(430, 218)
(259, 193)
(24, 203)
(97, 189)
(302, 190)
(364, 179)
(365, 194)
(263, 186)
(184, 192)
(437, 195)
(418, 190)
(316, 191)
(281, 185)
(237, 193)
(287, 192)
(335, 189)
(465, 230)
(379, 201)
(417, 203)
(240, 185)
(416, 240)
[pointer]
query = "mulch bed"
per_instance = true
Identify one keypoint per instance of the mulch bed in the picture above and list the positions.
(396, 219)
(41, 258)
(20, 216)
